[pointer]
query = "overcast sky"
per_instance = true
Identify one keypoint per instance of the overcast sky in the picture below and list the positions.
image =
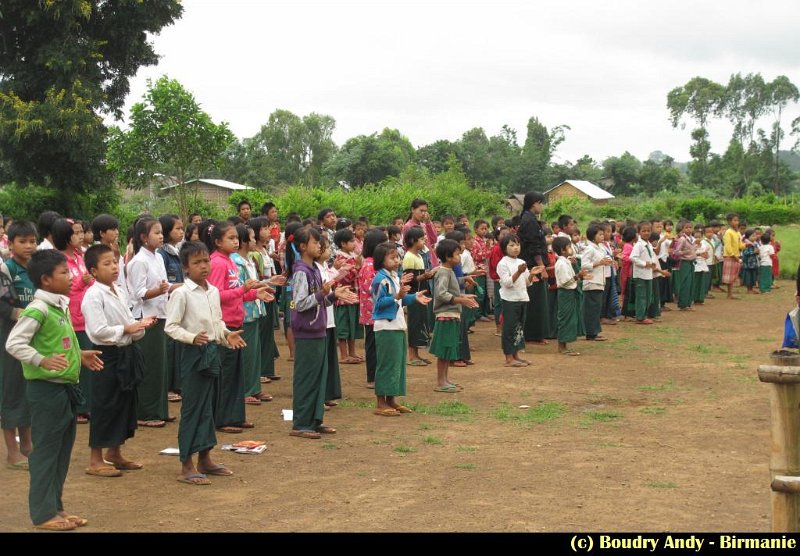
(436, 69)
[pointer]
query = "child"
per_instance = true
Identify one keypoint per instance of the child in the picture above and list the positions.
(447, 303)
(776, 267)
(395, 234)
(731, 250)
(610, 309)
(766, 254)
(659, 274)
(194, 318)
(44, 341)
(480, 254)
(309, 320)
(365, 276)
(626, 298)
(703, 263)
(105, 229)
(750, 262)
(347, 327)
(222, 240)
(419, 333)
(495, 256)
(685, 251)
(17, 292)
(87, 238)
(333, 382)
(148, 288)
(552, 288)
(45, 226)
(172, 229)
(464, 280)
(716, 243)
(662, 249)
(448, 225)
(568, 306)
(514, 281)
(359, 230)
(594, 287)
(113, 330)
(390, 329)
(286, 295)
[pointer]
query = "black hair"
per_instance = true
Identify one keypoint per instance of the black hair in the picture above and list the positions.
(21, 228)
(86, 226)
(103, 223)
(343, 223)
(244, 233)
(242, 203)
(642, 224)
(211, 231)
(628, 234)
(142, 227)
(391, 230)
(301, 236)
(190, 229)
(463, 229)
(654, 236)
(446, 248)
(699, 228)
(668, 222)
(592, 230)
(398, 217)
(167, 223)
(449, 217)
(46, 221)
(323, 213)
(496, 219)
(742, 223)
(308, 222)
(682, 223)
(93, 254)
(412, 235)
(381, 251)
(478, 223)
(363, 220)
(731, 215)
(415, 204)
(564, 220)
(498, 232)
(266, 207)
(505, 240)
(656, 219)
(234, 219)
(515, 222)
(748, 232)
(372, 239)
(62, 232)
(343, 236)
(531, 198)
(462, 215)
(256, 224)
(715, 222)
(191, 216)
(455, 235)
(559, 244)
(766, 237)
(293, 217)
(44, 263)
(555, 225)
(190, 249)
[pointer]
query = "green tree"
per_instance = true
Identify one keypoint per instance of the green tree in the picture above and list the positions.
(624, 170)
(61, 64)
(780, 92)
(369, 159)
(435, 156)
(169, 134)
(540, 144)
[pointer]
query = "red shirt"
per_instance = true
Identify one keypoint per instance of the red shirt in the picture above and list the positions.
(351, 278)
(77, 269)
(365, 277)
(495, 255)
(480, 251)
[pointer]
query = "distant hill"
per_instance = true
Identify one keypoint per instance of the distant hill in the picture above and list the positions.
(792, 159)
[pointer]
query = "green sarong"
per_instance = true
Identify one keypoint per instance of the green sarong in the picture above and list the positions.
(552, 312)
(347, 327)
(14, 408)
(418, 331)
(251, 358)
(513, 334)
(229, 411)
(700, 286)
(152, 395)
(370, 353)
(85, 379)
(592, 309)
(537, 317)
(390, 376)
(266, 341)
(200, 370)
(482, 297)
(114, 396)
(765, 278)
(333, 384)
(173, 366)
(308, 383)
(498, 302)
(654, 310)
(568, 315)
(684, 279)
(464, 351)
(643, 296)
(445, 342)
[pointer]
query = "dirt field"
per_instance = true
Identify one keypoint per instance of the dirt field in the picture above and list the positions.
(663, 428)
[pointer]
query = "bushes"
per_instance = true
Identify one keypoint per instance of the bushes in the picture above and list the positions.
(27, 203)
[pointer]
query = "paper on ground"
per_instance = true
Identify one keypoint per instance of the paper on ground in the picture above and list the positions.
(288, 414)
(170, 452)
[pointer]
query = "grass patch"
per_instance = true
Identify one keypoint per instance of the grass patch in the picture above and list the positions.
(466, 448)
(432, 440)
(738, 358)
(451, 408)
(667, 386)
(357, 404)
(425, 426)
(701, 348)
(330, 446)
(655, 410)
(596, 398)
(540, 413)
(661, 484)
(465, 466)
(404, 449)
(603, 416)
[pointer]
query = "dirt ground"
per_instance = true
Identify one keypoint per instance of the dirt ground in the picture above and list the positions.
(664, 427)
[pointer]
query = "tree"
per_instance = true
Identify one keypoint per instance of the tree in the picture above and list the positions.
(624, 170)
(435, 156)
(369, 159)
(780, 92)
(61, 64)
(170, 134)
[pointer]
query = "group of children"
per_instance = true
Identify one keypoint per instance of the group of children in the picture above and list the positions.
(95, 334)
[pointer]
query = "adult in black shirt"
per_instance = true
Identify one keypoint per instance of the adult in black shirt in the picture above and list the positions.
(534, 252)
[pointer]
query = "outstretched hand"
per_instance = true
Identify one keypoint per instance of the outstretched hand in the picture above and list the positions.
(90, 359)
(345, 294)
(235, 340)
(422, 298)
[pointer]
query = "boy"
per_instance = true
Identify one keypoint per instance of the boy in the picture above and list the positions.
(105, 229)
(480, 254)
(643, 260)
(194, 318)
(448, 225)
(46, 221)
(395, 234)
(447, 303)
(347, 328)
(44, 341)
(716, 243)
(732, 246)
(17, 292)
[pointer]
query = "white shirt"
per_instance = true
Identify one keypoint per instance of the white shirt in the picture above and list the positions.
(565, 276)
(765, 253)
(106, 315)
(705, 256)
(467, 263)
(398, 322)
(145, 272)
(512, 290)
(327, 275)
(590, 255)
(663, 251)
(45, 244)
(192, 309)
(642, 254)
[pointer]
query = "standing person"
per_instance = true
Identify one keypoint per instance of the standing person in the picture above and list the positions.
(480, 254)
(172, 230)
(419, 216)
(703, 264)
(333, 382)
(45, 226)
(66, 236)
(390, 334)
(534, 253)
(309, 321)
(105, 229)
(514, 280)
(45, 343)
(766, 255)
(626, 298)
(732, 247)
(365, 305)
(113, 331)
(569, 310)
(644, 264)
(16, 292)
(750, 262)
(359, 231)
(87, 237)
(684, 249)
(594, 287)
(776, 247)
(243, 210)
(194, 318)
(413, 263)
(610, 309)
(347, 328)
(495, 256)
(148, 288)
(327, 224)
(716, 242)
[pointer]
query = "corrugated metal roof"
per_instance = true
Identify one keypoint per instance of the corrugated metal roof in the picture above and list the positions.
(592, 190)
(219, 183)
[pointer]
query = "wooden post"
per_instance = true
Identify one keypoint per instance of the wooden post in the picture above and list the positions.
(784, 377)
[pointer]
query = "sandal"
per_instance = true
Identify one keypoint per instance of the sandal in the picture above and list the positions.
(515, 364)
(325, 429)
(469, 362)
(82, 419)
(403, 409)
(252, 400)
(78, 521)
(57, 524)
(570, 352)
(264, 397)
(417, 363)
(387, 412)
(126, 465)
(306, 434)
(229, 430)
(331, 403)
(220, 470)
(194, 479)
(170, 419)
(104, 471)
(350, 361)
(449, 389)
(247, 425)
(174, 397)
(265, 380)
(370, 385)
(427, 361)
(459, 363)
(153, 424)
(274, 377)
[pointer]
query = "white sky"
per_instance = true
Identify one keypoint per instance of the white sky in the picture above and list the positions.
(435, 69)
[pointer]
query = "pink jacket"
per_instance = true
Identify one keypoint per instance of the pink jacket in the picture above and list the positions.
(77, 269)
(225, 276)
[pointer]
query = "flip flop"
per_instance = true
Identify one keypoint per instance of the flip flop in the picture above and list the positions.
(81, 419)
(173, 397)
(229, 430)
(247, 425)
(370, 385)
(126, 465)
(325, 429)
(449, 389)
(274, 377)
(252, 400)
(515, 364)
(570, 352)
(417, 363)
(264, 397)
(78, 521)
(314, 435)
(153, 424)
(331, 403)
(104, 471)
(387, 412)
(170, 419)
(428, 361)
(403, 409)
(265, 380)
(459, 363)
(56, 524)
(197, 479)
(19, 466)
(220, 470)
(350, 361)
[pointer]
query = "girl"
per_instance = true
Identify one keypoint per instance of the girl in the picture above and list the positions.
(552, 287)
(419, 333)
(514, 281)
(172, 230)
(703, 264)
(390, 329)
(665, 245)
(568, 306)
(366, 274)
(766, 255)
(148, 287)
(626, 298)
(593, 289)
(67, 236)
(359, 231)
(309, 321)
(776, 246)
(347, 327)
(222, 240)
(495, 255)
(419, 216)
(685, 251)
(333, 383)
(192, 232)
(286, 246)
(87, 237)
(750, 262)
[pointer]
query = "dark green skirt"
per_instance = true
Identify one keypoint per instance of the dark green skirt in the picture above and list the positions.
(152, 396)
(333, 384)
(85, 379)
(370, 353)
(765, 278)
(14, 409)
(418, 332)
(749, 277)
(643, 295)
(390, 376)
(200, 370)
(445, 342)
(251, 358)
(173, 366)
(309, 381)
(568, 315)
(700, 286)
(230, 399)
(552, 312)
(114, 396)
(266, 339)
(513, 335)
(592, 311)
(537, 317)
(684, 277)
(347, 327)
